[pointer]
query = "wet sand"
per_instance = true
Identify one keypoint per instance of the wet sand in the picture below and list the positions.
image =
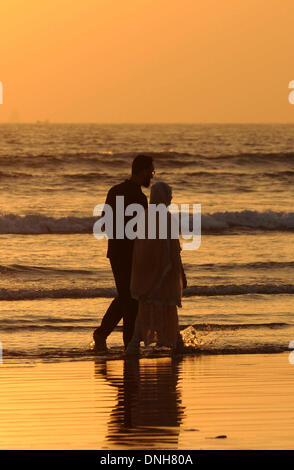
(154, 403)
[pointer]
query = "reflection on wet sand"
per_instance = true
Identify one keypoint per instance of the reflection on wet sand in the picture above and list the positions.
(148, 412)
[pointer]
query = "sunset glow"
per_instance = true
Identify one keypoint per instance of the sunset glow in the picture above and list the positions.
(146, 61)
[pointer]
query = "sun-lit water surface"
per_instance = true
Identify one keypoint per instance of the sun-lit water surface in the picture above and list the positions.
(158, 403)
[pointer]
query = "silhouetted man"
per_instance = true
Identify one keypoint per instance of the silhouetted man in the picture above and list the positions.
(120, 252)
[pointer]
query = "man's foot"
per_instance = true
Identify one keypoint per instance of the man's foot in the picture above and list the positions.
(100, 341)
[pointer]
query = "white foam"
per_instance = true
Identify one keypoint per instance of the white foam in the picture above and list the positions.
(38, 224)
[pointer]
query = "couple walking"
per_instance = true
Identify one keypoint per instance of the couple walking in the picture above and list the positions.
(148, 273)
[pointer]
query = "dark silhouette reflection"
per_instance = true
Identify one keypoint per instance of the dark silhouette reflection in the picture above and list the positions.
(148, 412)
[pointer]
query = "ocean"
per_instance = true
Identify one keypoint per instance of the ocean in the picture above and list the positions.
(56, 282)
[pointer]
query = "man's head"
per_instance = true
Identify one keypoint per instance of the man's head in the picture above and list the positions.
(143, 170)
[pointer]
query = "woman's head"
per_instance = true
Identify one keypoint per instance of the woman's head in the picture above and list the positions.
(161, 193)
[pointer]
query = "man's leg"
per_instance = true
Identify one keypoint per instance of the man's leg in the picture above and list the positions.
(113, 314)
(123, 306)
(111, 318)
(129, 306)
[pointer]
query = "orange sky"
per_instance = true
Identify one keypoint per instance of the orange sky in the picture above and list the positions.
(146, 60)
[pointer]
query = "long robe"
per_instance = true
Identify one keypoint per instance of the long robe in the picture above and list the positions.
(156, 282)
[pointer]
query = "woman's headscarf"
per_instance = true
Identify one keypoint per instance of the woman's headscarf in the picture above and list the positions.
(160, 193)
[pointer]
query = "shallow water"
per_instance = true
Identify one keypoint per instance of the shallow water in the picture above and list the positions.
(55, 280)
(154, 403)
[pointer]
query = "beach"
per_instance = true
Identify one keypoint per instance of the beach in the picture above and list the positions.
(108, 107)
(235, 379)
(153, 403)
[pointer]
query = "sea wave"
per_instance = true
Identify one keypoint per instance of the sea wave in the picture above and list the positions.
(239, 289)
(41, 224)
(87, 324)
(165, 157)
(215, 222)
(266, 220)
(71, 354)
(108, 292)
(14, 174)
(232, 174)
(19, 269)
(262, 265)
